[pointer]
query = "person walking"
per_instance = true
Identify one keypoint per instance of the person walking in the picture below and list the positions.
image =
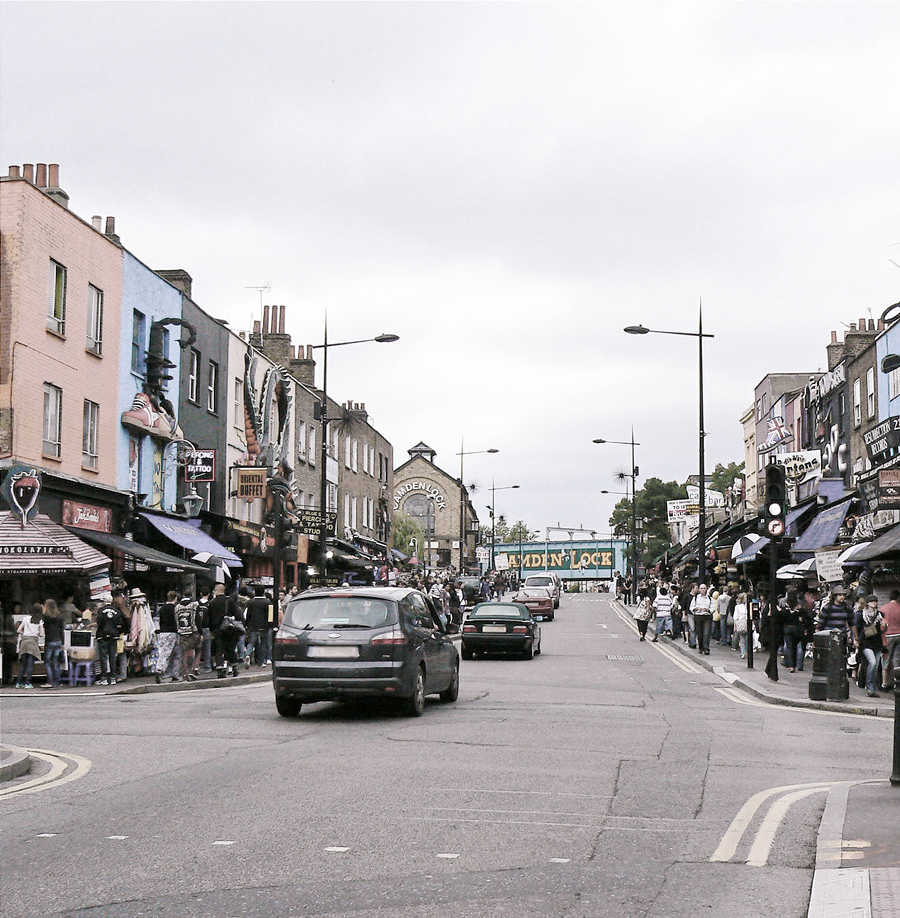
(773, 627)
(30, 633)
(741, 622)
(701, 607)
(797, 626)
(226, 625)
(867, 634)
(643, 614)
(890, 626)
(110, 624)
(168, 662)
(258, 617)
(189, 636)
(54, 656)
(663, 607)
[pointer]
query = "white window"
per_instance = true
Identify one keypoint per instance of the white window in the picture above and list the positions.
(301, 441)
(870, 392)
(894, 383)
(56, 304)
(194, 375)
(89, 455)
(94, 337)
(212, 387)
(238, 404)
(52, 421)
(355, 456)
(346, 510)
(353, 512)
(347, 444)
(311, 452)
(138, 362)
(857, 402)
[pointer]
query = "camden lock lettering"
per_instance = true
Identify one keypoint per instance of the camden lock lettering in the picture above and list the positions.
(431, 490)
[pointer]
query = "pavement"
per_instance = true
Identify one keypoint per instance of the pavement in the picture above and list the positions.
(857, 871)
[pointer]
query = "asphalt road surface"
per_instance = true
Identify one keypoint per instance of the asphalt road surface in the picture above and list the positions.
(602, 778)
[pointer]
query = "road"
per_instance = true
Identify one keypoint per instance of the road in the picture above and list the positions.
(603, 778)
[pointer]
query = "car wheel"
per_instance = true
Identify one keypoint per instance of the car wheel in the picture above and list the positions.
(550, 618)
(287, 707)
(451, 693)
(466, 653)
(529, 654)
(538, 651)
(415, 704)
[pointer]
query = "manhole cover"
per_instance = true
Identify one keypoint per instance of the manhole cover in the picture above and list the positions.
(624, 658)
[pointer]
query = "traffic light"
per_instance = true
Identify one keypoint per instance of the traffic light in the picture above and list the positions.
(776, 500)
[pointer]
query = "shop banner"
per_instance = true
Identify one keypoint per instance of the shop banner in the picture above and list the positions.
(801, 466)
(86, 516)
(888, 489)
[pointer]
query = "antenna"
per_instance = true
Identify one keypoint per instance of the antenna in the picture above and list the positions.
(265, 288)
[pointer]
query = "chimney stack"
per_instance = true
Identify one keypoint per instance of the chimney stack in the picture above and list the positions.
(28, 172)
(111, 231)
(256, 326)
(40, 178)
(97, 223)
(15, 172)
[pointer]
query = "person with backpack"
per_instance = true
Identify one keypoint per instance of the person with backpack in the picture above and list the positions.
(189, 637)
(111, 623)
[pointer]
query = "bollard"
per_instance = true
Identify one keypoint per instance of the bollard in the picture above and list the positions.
(829, 679)
(895, 775)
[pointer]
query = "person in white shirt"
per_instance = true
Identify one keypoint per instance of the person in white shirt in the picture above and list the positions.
(701, 606)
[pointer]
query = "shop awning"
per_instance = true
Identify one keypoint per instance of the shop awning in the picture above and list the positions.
(43, 547)
(752, 551)
(142, 553)
(188, 534)
(823, 530)
(887, 544)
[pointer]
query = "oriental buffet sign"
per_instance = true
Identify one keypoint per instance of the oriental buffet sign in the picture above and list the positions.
(429, 489)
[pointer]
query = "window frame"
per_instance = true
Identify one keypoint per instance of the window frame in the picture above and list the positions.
(194, 376)
(52, 447)
(870, 392)
(212, 401)
(857, 402)
(138, 348)
(90, 452)
(94, 333)
(56, 299)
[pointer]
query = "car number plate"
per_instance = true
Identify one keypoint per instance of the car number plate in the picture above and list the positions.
(494, 629)
(334, 653)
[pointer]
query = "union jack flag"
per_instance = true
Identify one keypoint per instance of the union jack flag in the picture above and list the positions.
(778, 430)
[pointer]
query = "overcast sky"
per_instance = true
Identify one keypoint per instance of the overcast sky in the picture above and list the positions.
(503, 185)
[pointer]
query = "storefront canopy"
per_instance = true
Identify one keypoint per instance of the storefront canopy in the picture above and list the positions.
(43, 547)
(751, 553)
(883, 546)
(189, 535)
(823, 530)
(142, 553)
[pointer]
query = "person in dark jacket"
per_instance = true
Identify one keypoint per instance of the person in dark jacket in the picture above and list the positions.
(836, 614)
(168, 664)
(54, 655)
(259, 620)
(110, 624)
(774, 630)
(223, 608)
(797, 631)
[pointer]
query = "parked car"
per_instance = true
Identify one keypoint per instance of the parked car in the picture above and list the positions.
(537, 600)
(543, 579)
(500, 627)
(471, 590)
(382, 642)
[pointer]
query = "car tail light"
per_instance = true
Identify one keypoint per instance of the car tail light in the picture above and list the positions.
(469, 629)
(520, 629)
(395, 636)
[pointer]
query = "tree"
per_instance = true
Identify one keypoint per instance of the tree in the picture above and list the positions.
(406, 528)
(652, 514)
(521, 532)
(723, 476)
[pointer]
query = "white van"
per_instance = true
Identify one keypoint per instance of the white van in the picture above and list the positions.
(547, 580)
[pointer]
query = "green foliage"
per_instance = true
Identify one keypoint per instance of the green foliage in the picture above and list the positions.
(723, 476)
(652, 515)
(405, 529)
(520, 532)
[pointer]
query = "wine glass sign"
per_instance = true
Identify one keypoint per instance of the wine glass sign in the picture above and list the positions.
(20, 490)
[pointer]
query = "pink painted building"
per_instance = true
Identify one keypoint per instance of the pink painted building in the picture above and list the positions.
(60, 336)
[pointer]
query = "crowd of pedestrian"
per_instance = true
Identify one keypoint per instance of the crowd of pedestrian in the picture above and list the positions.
(737, 615)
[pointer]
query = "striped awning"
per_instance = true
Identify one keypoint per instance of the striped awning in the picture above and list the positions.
(42, 547)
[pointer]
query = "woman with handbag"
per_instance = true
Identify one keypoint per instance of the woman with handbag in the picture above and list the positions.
(867, 635)
(226, 625)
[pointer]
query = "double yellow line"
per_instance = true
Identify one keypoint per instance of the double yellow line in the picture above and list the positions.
(63, 768)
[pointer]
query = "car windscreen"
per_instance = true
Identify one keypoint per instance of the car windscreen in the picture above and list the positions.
(538, 581)
(499, 610)
(332, 612)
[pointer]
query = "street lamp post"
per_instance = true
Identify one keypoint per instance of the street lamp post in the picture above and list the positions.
(633, 476)
(462, 501)
(494, 489)
(323, 417)
(699, 335)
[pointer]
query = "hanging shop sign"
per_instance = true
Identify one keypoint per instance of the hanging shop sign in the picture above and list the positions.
(801, 466)
(251, 483)
(883, 440)
(21, 489)
(888, 489)
(86, 516)
(679, 511)
(713, 498)
(309, 522)
(200, 465)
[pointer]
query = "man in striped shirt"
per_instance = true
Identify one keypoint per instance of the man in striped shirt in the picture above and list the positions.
(663, 606)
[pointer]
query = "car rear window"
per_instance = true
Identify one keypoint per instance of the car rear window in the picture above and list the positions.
(536, 592)
(538, 581)
(328, 612)
(499, 610)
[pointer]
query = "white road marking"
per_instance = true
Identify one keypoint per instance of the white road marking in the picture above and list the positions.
(58, 763)
(449, 856)
(223, 842)
(337, 850)
(739, 698)
(117, 837)
(47, 835)
(559, 860)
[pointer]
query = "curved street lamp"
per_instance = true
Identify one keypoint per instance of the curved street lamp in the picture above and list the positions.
(462, 500)
(699, 335)
(494, 489)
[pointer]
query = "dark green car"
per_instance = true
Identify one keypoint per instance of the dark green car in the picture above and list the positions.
(500, 627)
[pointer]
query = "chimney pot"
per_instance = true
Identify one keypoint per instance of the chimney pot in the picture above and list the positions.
(53, 175)
(110, 226)
(256, 326)
(834, 337)
(41, 175)
(97, 222)
(881, 325)
(15, 172)
(29, 171)
(281, 321)
(265, 320)
(871, 325)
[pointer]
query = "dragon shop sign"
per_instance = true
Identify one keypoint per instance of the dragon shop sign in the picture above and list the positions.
(431, 490)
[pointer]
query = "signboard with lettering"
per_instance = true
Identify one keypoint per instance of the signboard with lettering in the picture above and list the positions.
(576, 560)
(200, 465)
(432, 490)
(86, 516)
(883, 440)
(251, 483)
(801, 466)
(889, 489)
(309, 522)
